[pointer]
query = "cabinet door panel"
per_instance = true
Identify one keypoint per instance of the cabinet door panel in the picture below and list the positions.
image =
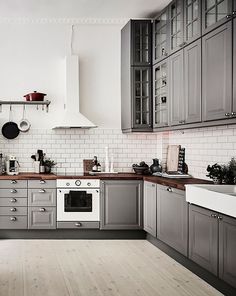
(172, 218)
(121, 205)
(227, 247)
(192, 82)
(149, 208)
(217, 73)
(203, 238)
(192, 20)
(176, 88)
(234, 63)
(42, 217)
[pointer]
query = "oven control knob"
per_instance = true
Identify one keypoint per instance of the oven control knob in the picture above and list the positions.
(77, 182)
(89, 184)
(67, 184)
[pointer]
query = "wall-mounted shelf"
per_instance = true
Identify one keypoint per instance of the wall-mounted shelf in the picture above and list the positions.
(27, 103)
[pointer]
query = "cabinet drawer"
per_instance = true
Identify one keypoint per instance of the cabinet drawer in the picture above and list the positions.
(78, 225)
(13, 192)
(13, 201)
(42, 184)
(13, 222)
(42, 197)
(16, 211)
(13, 183)
(42, 218)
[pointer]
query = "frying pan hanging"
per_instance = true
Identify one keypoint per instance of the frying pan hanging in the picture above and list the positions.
(10, 129)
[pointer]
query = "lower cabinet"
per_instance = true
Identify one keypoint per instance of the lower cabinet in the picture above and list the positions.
(172, 218)
(150, 208)
(212, 242)
(42, 218)
(121, 205)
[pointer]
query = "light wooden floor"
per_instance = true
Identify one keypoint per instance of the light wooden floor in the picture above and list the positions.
(93, 267)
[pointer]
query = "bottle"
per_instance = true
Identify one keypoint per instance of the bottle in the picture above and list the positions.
(1, 164)
(95, 164)
(99, 167)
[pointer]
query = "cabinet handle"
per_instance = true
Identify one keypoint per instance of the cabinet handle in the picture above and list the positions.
(219, 217)
(213, 215)
(227, 114)
(42, 182)
(233, 113)
(169, 189)
(13, 191)
(13, 219)
(78, 224)
(42, 210)
(42, 190)
(228, 16)
(13, 181)
(234, 13)
(13, 210)
(13, 200)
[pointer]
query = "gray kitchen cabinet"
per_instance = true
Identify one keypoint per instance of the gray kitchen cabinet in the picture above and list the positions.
(149, 207)
(121, 205)
(217, 73)
(176, 34)
(176, 84)
(42, 218)
(41, 184)
(42, 197)
(192, 82)
(227, 247)
(192, 20)
(136, 76)
(203, 237)
(13, 192)
(161, 36)
(172, 218)
(13, 184)
(215, 13)
(234, 65)
(13, 222)
(161, 94)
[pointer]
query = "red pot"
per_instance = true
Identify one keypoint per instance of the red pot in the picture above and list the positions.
(35, 96)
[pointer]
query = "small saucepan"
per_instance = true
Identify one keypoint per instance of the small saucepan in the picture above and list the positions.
(24, 124)
(10, 129)
(35, 96)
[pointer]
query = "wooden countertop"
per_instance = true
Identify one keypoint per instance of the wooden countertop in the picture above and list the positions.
(176, 183)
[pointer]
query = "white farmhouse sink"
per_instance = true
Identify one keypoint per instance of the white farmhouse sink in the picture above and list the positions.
(220, 198)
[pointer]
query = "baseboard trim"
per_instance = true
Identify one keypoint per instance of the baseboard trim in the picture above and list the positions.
(195, 268)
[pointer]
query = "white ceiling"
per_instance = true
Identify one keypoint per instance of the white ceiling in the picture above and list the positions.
(80, 8)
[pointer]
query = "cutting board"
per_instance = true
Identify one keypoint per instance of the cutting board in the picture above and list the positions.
(172, 158)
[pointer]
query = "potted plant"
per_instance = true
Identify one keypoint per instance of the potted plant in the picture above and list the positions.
(216, 173)
(49, 164)
(229, 176)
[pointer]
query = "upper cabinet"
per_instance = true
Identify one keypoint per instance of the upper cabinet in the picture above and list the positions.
(141, 43)
(176, 17)
(192, 20)
(161, 36)
(215, 13)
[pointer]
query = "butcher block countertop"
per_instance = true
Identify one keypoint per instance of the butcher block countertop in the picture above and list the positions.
(176, 183)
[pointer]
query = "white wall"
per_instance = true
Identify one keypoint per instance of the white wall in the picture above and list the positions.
(32, 58)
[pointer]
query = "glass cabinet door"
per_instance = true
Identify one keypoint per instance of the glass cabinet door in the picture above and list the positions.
(160, 95)
(142, 42)
(215, 13)
(142, 97)
(176, 25)
(160, 37)
(192, 19)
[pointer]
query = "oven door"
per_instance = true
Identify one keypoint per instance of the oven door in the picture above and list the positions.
(78, 204)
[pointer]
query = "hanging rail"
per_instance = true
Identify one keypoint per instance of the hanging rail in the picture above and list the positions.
(37, 103)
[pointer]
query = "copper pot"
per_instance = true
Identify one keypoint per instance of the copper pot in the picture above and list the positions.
(35, 96)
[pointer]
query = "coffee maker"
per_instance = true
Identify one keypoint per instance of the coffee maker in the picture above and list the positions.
(12, 165)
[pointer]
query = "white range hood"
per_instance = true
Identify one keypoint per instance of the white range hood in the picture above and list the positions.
(71, 117)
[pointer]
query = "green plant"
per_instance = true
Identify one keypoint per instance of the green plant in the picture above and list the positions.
(49, 163)
(215, 171)
(229, 176)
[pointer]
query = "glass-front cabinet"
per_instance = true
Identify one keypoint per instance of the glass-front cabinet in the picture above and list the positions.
(192, 20)
(142, 43)
(160, 37)
(160, 95)
(215, 13)
(142, 104)
(176, 25)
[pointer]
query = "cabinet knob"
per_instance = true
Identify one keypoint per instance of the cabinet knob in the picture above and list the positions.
(227, 114)
(42, 190)
(13, 219)
(42, 182)
(13, 210)
(228, 16)
(169, 189)
(219, 217)
(213, 215)
(13, 191)
(78, 224)
(234, 13)
(13, 181)
(42, 210)
(233, 113)
(13, 200)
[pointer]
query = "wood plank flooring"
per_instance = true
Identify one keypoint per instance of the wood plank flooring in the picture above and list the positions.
(93, 268)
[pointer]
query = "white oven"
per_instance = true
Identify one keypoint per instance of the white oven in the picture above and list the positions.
(78, 200)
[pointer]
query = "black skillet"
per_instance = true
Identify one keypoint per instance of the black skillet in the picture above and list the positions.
(10, 129)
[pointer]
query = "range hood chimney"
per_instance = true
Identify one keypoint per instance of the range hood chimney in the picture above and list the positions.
(71, 117)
